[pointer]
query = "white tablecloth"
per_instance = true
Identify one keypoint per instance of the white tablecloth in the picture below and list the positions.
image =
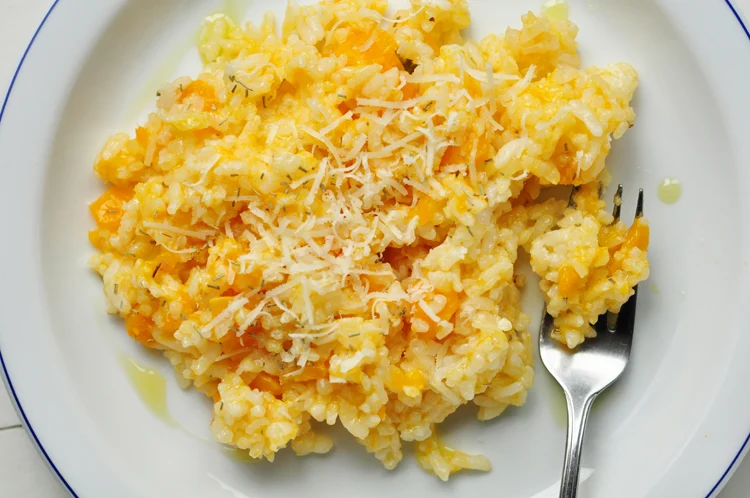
(22, 472)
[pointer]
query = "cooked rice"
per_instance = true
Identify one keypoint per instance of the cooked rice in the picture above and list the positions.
(324, 225)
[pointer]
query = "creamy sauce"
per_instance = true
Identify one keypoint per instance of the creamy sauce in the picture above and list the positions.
(234, 10)
(556, 9)
(150, 386)
(669, 190)
(242, 456)
(146, 97)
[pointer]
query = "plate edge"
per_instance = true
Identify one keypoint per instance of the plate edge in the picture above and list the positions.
(5, 375)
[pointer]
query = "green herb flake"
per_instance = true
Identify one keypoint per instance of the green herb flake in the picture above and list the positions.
(247, 88)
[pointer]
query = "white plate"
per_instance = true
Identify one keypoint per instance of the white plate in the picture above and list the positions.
(674, 426)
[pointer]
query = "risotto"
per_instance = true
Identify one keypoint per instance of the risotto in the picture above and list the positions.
(324, 224)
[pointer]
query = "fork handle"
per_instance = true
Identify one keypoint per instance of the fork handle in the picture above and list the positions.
(579, 406)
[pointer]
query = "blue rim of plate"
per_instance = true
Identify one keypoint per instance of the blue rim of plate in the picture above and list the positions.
(6, 376)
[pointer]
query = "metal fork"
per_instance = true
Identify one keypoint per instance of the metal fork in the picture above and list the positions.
(588, 370)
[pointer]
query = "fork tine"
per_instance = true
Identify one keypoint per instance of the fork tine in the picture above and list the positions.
(626, 316)
(624, 321)
(571, 201)
(546, 327)
(639, 206)
(610, 320)
(617, 204)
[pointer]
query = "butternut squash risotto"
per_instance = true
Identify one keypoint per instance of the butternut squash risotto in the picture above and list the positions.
(324, 224)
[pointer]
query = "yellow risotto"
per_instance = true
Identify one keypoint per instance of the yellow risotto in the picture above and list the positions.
(323, 225)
